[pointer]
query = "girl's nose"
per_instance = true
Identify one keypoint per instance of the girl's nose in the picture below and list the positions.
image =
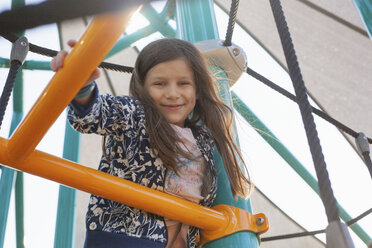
(172, 92)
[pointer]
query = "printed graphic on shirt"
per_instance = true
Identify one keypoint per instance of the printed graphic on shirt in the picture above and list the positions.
(188, 182)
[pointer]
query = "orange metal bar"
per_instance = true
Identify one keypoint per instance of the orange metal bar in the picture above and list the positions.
(238, 220)
(87, 54)
(99, 183)
(18, 152)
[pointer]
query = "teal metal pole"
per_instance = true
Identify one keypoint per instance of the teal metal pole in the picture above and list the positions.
(19, 192)
(196, 22)
(364, 8)
(19, 204)
(28, 64)
(65, 223)
(158, 21)
(168, 12)
(275, 143)
(129, 39)
(6, 183)
(37, 65)
(4, 63)
(8, 175)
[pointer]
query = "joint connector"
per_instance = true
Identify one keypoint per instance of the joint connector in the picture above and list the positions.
(232, 59)
(19, 50)
(362, 143)
(338, 236)
(237, 220)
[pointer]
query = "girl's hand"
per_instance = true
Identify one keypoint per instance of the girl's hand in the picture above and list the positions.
(57, 62)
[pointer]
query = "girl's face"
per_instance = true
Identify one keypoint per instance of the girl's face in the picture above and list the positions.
(172, 87)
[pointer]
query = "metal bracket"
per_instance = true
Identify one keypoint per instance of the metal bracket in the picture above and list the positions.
(238, 220)
(362, 143)
(338, 236)
(232, 59)
(19, 50)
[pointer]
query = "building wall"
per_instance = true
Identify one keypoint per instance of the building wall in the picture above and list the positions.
(335, 59)
(280, 224)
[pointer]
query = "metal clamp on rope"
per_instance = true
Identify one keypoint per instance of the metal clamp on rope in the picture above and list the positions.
(19, 50)
(17, 56)
(232, 59)
(338, 236)
(238, 220)
(362, 143)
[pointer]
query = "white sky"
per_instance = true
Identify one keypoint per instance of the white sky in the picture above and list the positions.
(350, 179)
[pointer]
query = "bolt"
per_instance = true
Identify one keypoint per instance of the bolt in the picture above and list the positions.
(23, 43)
(260, 221)
(236, 51)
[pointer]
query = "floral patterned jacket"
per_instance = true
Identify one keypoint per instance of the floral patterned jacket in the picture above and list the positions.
(123, 120)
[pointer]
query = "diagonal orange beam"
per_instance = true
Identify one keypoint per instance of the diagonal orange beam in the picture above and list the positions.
(19, 151)
(215, 223)
(99, 183)
(86, 55)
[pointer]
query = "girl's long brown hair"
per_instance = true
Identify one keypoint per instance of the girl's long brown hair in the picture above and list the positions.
(209, 110)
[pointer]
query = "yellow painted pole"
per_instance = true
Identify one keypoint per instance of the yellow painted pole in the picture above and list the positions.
(99, 183)
(86, 55)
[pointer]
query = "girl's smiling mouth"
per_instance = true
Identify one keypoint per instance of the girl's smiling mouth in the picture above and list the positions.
(172, 107)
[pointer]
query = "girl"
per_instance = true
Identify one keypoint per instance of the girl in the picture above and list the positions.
(162, 136)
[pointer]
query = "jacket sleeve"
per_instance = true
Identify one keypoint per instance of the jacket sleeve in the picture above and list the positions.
(106, 114)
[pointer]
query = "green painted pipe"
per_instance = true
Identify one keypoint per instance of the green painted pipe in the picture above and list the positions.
(224, 196)
(129, 39)
(4, 63)
(158, 21)
(364, 8)
(37, 65)
(275, 143)
(196, 20)
(19, 192)
(168, 12)
(6, 185)
(8, 175)
(28, 64)
(65, 224)
(19, 205)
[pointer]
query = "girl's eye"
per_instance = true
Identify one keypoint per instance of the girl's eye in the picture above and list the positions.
(184, 83)
(158, 83)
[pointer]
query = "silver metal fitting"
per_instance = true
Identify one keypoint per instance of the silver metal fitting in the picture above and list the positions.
(232, 59)
(362, 143)
(338, 236)
(260, 221)
(19, 50)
